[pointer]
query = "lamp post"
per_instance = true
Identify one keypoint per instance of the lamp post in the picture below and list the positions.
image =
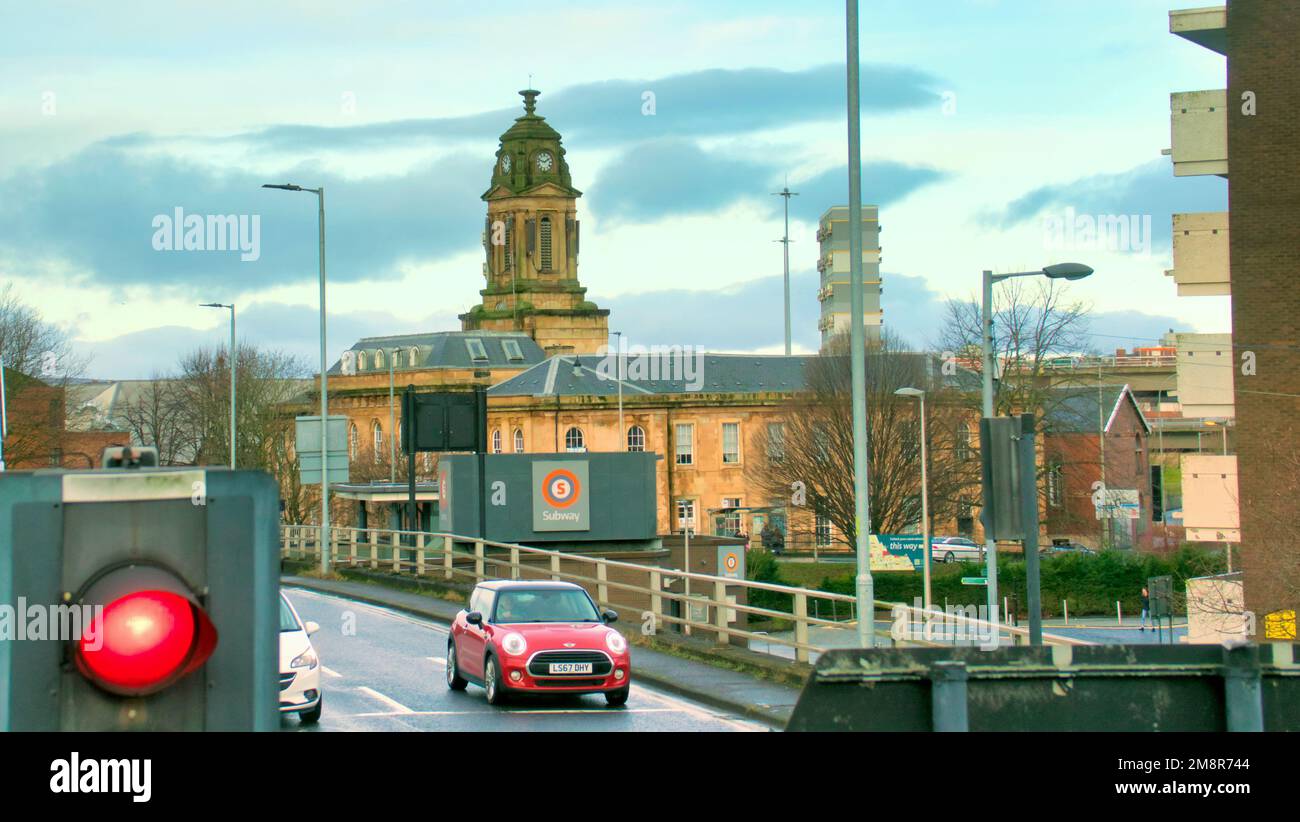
(785, 244)
(234, 361)
(392, 419)
(864, 585)
(621, 431)
(925, 497)
(1059, 271)
(324, 386)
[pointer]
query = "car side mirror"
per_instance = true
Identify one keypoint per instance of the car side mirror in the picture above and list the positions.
(609, 615)
(310, 627)
(474, 618)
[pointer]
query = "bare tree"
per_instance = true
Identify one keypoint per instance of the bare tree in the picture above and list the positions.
(813, 453)
(157, 414)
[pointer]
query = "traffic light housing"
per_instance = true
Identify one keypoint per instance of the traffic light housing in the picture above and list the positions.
(158, 590)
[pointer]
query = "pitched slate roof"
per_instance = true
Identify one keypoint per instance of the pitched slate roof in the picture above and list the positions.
(1079, 409)
(448, 349)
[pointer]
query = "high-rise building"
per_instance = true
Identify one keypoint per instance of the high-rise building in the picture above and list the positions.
(833, 266)
(530, 239)
(1251, 128)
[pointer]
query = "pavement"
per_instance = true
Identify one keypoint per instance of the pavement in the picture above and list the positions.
(679, 693)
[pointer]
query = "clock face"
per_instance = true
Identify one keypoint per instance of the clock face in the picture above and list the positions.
(544, 161)
(505, 163)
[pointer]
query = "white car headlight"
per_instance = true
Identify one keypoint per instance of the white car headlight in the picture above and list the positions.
(615, 642)
(306, 659)
(514, 644)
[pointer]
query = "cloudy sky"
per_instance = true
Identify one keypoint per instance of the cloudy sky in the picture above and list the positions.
(982, 121)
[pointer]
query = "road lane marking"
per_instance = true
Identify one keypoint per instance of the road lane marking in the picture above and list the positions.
(595, 711)
(398, 708)
(342, 600)
(687, 708)
(330, 672)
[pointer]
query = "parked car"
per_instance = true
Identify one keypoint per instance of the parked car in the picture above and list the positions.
(1067, 548)
(955, 549)
(300, 691)
(537, 637)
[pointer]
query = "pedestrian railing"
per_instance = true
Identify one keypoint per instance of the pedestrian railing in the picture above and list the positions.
(696, 603)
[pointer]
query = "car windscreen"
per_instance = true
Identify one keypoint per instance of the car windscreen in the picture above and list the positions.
(544, 605)
(288, 622)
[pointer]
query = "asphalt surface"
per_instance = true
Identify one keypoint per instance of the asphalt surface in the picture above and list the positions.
(384, 671)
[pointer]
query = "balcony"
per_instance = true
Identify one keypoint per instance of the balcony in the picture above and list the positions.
(1206, 27)
(1201, 267)
(1199, 132)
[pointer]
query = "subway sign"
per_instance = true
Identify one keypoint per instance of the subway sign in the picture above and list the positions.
(561, 496)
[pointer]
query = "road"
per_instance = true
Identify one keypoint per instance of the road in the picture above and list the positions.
(384, 671)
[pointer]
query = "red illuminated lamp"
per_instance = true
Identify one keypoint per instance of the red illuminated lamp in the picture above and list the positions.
(144, 641)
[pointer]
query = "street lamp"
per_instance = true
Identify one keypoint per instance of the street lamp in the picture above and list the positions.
(324, 389)
(621, 432)
(925, 496)
(233, 363)
(1059, 271)
(392, 418)
(864, 587)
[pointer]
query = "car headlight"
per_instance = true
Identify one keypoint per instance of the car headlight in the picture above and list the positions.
(615, 642)
(306, 659)
(514, 644)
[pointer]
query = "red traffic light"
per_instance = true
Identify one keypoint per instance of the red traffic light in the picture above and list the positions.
(144, 641)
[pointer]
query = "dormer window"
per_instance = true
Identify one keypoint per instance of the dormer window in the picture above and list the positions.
(413, 357)
(513, 352)
(477, 352)
(361, 361)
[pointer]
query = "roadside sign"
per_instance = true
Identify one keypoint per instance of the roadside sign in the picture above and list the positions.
(731, 561)
(974, 581)
(307, 445)
(561, 497)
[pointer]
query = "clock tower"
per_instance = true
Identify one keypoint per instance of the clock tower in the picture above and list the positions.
(530, 240)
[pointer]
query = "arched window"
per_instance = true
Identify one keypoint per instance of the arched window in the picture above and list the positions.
(636, 438)
(354, 441)
(414, 355)
(379, 358)
(361, 361)
(398, 434)
(545, 243)
(573, 440)
(519, 440)
(379, 439)
(496, 441)
(510, 242)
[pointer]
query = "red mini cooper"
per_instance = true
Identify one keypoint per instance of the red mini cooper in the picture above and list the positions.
(537, 637)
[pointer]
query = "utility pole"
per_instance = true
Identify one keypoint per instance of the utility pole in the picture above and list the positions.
(865, 587)
(785, 244)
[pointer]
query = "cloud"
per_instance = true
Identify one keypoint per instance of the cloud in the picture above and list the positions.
(1149, 189)
(674, 177)
(699, 103)
(95, 212)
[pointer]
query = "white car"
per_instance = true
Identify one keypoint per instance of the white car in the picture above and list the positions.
(299, 666)
(955, 549)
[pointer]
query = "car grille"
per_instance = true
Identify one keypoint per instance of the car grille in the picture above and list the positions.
(540, 664)
(286, 680)
(569, 683)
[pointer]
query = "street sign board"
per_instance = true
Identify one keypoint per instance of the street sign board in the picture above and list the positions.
(1119, 503)
(307, 446)
(731, 561)
(1000, 466)
(561, 496)
(974, 581)
(444, 421)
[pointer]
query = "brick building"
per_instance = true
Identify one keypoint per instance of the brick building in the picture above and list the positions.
(38, 435)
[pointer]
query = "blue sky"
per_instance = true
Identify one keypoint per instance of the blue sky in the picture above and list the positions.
(980, 119)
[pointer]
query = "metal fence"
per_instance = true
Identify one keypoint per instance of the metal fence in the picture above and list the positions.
(697, 603)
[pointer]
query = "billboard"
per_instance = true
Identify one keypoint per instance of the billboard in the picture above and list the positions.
(561, 499)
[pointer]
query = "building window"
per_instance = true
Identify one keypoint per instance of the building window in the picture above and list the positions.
(1054, 485)
(413, 357)
(823, 531)
(379, 440)
(546, 243)
(379, 358)
(731, 443)
(510, 242)
(496, 441)
(775, 441)
(513, 352)
(961, 446)
(636, 438)
(519, 441)
(361, 361)
(685, 514)
(685, 450)
(354, 441)
(428, 462)
(398, 435)
(476, 350)
(731, 516)
(573, 440)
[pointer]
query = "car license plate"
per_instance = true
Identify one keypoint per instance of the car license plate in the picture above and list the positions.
(570, 667)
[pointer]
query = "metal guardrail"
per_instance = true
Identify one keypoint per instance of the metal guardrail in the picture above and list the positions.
(456, 557)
